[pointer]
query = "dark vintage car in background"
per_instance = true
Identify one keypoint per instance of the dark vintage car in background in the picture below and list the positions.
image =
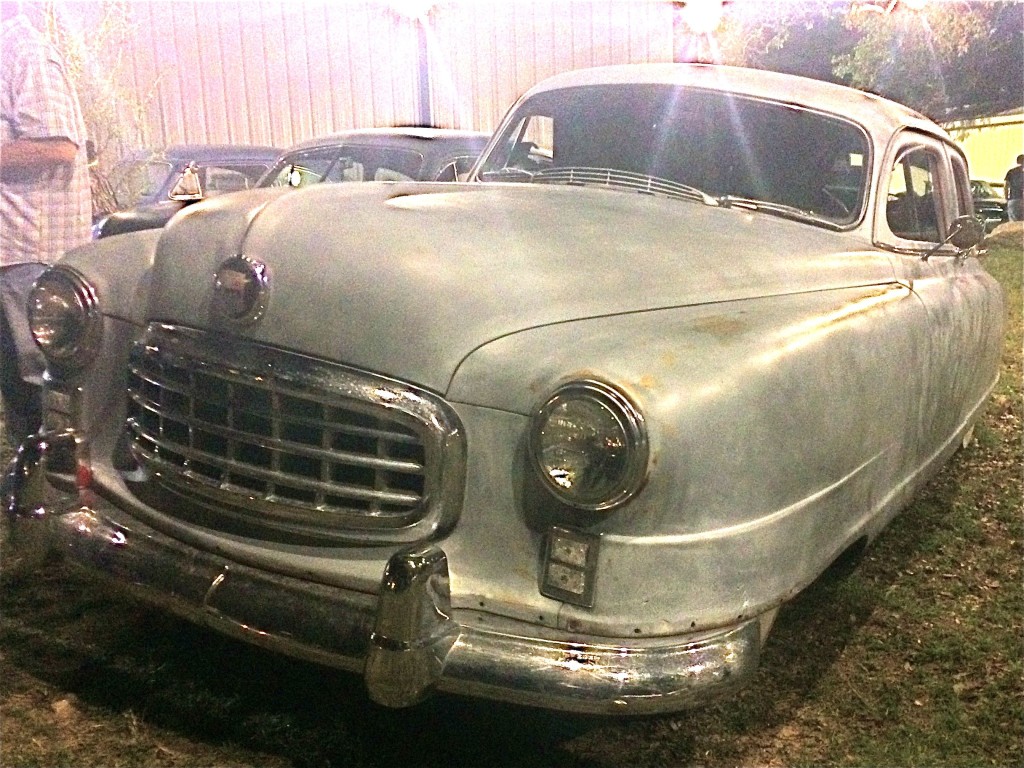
(369, 154)
(141, 182)
(989, 204)
(568, 434)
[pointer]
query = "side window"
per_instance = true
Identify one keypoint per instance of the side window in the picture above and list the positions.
(532, 147)
(964, 193)
(456, 169)
(911, 210)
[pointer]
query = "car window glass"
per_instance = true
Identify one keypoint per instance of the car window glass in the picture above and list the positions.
(457, 169)
(531, 146)
(230, 178)
(132, 182)
(345, 163)
(911, 201)
(722, 144)
(388, 163)
(301, 168)
(982, 189)
(964, 195)
(344, 169)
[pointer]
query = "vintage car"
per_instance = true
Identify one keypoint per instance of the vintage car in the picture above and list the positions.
(989, 205)
(367, 154)
(567, 434)
(142, 182)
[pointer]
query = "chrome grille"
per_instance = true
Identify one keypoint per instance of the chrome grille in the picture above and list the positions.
(280, 442)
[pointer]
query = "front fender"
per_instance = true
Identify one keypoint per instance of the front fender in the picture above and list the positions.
(779, 428)
(119, 269)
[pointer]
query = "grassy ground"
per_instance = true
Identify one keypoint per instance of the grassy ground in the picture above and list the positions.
(912, 656)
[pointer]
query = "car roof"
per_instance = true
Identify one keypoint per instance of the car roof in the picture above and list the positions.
(411, 135)
(204, 153)
(876, 114)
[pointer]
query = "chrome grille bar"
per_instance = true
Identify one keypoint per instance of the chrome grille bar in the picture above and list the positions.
(290, 443)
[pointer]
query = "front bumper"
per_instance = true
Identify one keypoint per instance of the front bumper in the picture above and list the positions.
(406, 641)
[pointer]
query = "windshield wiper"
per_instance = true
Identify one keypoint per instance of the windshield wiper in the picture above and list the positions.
(777, 209)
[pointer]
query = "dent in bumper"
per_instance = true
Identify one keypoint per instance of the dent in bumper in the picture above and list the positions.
(407, 640)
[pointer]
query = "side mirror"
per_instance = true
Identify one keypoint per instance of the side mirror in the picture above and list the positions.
(966, 232)
(187, 188)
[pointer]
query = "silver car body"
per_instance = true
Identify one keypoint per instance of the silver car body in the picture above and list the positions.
(794, 382)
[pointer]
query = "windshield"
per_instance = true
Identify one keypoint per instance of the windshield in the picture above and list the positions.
(137, 182)
(720, 147)
(344, 163)
(982, 189)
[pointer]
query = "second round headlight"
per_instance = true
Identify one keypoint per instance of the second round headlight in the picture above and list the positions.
(589, 446)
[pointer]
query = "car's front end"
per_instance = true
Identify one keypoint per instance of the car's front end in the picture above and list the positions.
(322, 497)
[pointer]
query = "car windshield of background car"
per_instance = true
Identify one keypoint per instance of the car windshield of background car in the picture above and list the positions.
(982, 189)
(347, 163)
(231, 177)
(134, 182)
(730, 147)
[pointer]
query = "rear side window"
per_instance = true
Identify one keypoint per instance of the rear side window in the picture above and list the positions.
(964, 187)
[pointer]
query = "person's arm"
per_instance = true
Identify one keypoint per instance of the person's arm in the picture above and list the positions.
(36, 154)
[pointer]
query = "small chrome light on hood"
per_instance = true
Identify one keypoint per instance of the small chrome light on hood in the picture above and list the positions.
(589, 446)
(64, 318)
(240, 290)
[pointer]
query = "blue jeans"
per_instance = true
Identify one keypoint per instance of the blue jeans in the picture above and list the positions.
(1015, 209)
(21, 362)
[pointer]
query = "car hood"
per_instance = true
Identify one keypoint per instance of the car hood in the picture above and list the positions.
(409, 279)
(148, 216)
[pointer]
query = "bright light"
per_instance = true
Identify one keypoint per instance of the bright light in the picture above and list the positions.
(412, 9)
(702, 16)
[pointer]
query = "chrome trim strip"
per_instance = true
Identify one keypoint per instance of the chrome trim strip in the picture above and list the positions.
(408, 640)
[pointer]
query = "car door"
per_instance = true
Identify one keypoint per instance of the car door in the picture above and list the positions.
(927, 188)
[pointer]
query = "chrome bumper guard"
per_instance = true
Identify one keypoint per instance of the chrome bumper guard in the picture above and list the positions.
(406, 641)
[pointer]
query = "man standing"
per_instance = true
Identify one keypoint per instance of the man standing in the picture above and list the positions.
(1015, 191)
(45, 206)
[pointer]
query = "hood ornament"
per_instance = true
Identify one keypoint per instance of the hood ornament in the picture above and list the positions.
(240, 290)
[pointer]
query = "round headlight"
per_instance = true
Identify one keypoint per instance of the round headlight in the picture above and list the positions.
(589, 445)
(64, 317)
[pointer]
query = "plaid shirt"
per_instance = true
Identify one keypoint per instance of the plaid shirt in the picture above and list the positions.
(42, 213)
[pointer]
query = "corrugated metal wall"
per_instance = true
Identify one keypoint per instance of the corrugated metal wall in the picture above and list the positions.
(273, 72)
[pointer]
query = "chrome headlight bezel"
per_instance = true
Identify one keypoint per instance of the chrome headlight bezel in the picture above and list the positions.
(617, 454)
(64, 318)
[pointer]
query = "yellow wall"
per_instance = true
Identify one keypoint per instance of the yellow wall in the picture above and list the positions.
(991, 143)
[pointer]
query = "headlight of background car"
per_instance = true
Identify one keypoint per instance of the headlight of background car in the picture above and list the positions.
(589, 445)
(64, 318)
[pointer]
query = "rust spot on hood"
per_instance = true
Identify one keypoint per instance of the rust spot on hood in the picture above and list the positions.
(722, 326)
